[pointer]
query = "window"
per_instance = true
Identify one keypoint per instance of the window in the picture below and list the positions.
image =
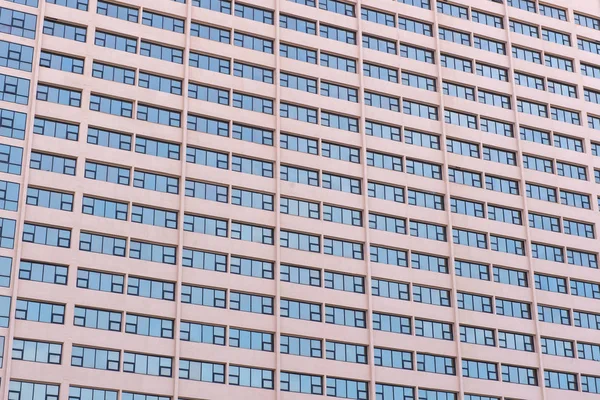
(502, 214)
(575, 199)
(153, 289)
(479, 370)
(427, 295)
(209, 63)
(339, 34)
(463, 177)
(417, 3)
(459, 64)
(34, 233)
(83, 393)
(487, 19)
(501, 185)
(416, 53)
(433, 329)
(388, 224)
(557, 347)
(12, 125)
(347, 388)
(64, 30)
(159, 83)
(253, 340)
(473, 302)
(203, 333)
(161, 52)
(480, 336)
(585, 289)
(153, 216)
(393, 358)
(298, 53)
(203, 296)
(49, 199)
(554, 315)
(342, 215)
(251, 267)
(378, 17)
(301, 383)
(90, 357)
(415, 26)
(344, 282)
(252, 166)
(389, 256)
(156, 182)
(300, 346)
(473, 270)
(300, 275)
(558, 62)
(515, 341)
(102, 244)
(206, 191)
(102, 281)
(17, 56)
(117, 11)
(17, 23)
(389, 289)
(147, 364)
(297, 24)
(560, 114)
(97, 319)
(345, 316)
(35, 351)
(104, 208)
(163, 22)
(35, 311)
(204, 260)
(560, 380)
(454, 36)
(336, 62)
(460, 119)
(254, 13)
(380, 72)
(14, 89)
(550, 283)
(343, 248)
(464, 92)
(300, 241)
(510, 276)
(519, 375)
(514, 309)
(7, 233)
(300, 310)
(251, 303)
(298, 113)
(43, 272)
(202, 370)
(247, 198)
(435, 364)
(392, 323)
(252, 233)
(149, 326)
(250, 377)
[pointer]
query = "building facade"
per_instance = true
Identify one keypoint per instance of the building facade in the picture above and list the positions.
(287, 199)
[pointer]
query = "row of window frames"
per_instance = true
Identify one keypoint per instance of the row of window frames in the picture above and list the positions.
(103, 281)
(466, 38)
(51, 353)
(461, 12)
(139, 324)
(129, 44)
(464, 177)
(456, 175)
